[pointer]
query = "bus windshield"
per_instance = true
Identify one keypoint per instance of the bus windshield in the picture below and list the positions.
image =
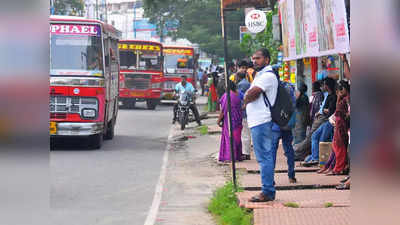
(178, 61)
(76, 50)
(134, 59)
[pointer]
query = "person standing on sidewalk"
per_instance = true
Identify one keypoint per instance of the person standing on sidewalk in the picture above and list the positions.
(260, 122)
(236, 110)
(302, 114)
(200, 78)
(212, 94)
(243, 86)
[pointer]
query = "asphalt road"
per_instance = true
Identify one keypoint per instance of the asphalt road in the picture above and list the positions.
(114, 185)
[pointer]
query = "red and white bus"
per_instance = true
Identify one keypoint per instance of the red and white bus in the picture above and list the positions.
(141, 72)
(84, 71)
(178, 61)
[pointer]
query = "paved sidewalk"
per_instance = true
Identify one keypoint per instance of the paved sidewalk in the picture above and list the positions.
(311, 193)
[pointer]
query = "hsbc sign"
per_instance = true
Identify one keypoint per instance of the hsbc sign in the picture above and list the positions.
(256, 21)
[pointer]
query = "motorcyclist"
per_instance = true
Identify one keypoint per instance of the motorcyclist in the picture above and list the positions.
(182, 87)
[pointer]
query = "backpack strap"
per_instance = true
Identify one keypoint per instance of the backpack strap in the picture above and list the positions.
(266, 100)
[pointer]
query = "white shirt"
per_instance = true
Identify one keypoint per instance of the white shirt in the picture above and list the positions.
(257, 111)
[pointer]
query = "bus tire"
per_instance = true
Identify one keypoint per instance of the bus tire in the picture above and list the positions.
(151, 104)
(109, 135)
(130, 103)
(95, 141)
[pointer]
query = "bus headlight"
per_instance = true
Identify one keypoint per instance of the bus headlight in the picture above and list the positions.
(89, 113)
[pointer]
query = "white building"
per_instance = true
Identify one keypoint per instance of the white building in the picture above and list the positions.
(122, 14)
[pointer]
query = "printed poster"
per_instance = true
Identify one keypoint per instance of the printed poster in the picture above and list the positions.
(312, 28)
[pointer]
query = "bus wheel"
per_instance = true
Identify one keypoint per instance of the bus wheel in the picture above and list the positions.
(151, 104)
(110, 130)
(130, 103)
(95, 141)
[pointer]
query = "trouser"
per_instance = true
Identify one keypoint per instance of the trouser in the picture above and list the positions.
(192, 107)
(322, 134)
(304, 148)
(202, 88)
(287, 138)
(246, 137)
(265, 155)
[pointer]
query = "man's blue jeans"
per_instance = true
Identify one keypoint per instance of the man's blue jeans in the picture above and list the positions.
(266, 154)
(322, 134)
(287, 138)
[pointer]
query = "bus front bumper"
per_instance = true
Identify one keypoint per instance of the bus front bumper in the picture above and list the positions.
(75, 129)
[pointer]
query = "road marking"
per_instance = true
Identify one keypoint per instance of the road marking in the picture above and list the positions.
(152, 215)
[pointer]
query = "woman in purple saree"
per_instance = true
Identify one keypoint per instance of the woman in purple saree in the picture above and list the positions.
(224, 151)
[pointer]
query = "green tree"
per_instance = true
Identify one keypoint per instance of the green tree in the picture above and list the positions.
(263, 39)
(198, 21)
(69, 7)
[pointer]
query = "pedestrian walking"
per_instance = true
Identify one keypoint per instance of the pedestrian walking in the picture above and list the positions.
(260, 122)
(200, 78)
(212, 94)
(243, 86)
(236, 114)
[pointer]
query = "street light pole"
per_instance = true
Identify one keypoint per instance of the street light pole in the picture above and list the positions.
(228, 96)
(134, 19)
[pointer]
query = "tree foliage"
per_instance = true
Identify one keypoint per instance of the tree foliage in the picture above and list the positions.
(69, 7)
(198, 21)
(263, 39)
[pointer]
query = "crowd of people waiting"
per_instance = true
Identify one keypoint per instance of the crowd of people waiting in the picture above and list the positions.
(322, 117)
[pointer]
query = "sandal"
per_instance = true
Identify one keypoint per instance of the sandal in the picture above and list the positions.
(343, 186)
(327, 171)
(260, 198)
(322, 170)
(333, 173)
(345, 179)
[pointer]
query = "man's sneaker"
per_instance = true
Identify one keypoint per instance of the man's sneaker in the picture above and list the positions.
(292, 180)
(173, 121)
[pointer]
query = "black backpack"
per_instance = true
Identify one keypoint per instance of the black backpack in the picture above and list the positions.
(282, 110)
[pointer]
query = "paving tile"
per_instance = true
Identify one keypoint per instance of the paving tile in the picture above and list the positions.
(252, 166)
(302, 216)
(304, 180)
(314, 198)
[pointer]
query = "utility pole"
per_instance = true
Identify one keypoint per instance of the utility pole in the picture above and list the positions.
(97, 9)
(52, 9)
(105, 3)
(228, 96)
(134, 19)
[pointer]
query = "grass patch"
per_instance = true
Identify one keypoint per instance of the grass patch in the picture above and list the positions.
(225, 208)
(203, 130)
(328, 204)
(291, 205)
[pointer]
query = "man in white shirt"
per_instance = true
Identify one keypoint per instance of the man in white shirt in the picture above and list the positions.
(260, 122)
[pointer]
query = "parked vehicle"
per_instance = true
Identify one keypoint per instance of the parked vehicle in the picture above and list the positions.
(141, 73)
(84, 71)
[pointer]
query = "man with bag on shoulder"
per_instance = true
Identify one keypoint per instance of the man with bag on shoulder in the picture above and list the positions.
(260, 121)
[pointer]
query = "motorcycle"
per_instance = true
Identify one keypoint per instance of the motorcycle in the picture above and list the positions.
(185, 115)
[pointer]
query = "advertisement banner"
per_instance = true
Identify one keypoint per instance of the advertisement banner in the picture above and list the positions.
(313, 28)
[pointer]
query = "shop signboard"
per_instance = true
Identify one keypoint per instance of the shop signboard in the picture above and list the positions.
(256, 21)
(313, 28)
